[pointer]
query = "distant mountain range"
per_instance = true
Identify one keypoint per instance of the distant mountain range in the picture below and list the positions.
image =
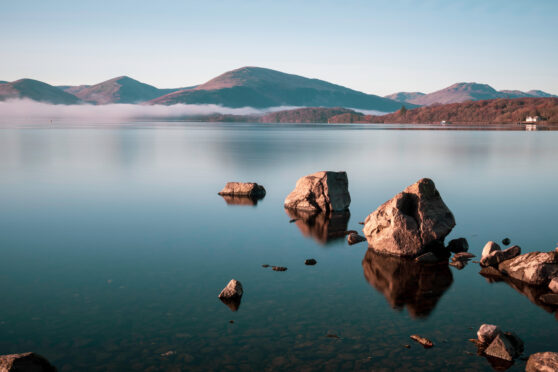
(462, 92)
(250, 87)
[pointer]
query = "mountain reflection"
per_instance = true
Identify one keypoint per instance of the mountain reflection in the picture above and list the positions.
(405, 282)
(322, 227)
(241, 200)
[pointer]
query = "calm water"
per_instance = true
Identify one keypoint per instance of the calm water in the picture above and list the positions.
(114, 246)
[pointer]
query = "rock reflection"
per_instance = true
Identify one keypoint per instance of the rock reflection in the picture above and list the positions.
(531, 292)
(241, 200)
(405, 282)
(324, 228)
(232, 303)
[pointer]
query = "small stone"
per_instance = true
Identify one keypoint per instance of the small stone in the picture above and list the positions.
(278, 268)
(423, 341)
(553, 285)
(462, 256)
(459, 265)
(310, 261)
(265, 265)
(407, 346)
(490, 247)
(506, 241)
(361, 222)
(428, 257)
(331, 335)
(549, 299)
(168, 353)
(542, 362)
(502, 348)
(458, 245)
(487, 333)
(354, 238)
(231, 321)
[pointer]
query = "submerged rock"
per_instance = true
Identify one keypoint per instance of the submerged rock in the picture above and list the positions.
(495, 257)
(354, 238)
(320, 192)
(423, 341)
(542, 362)
(536, 268)
(406, 283)
(458, 245)
(413, 222)
(25, 362)
(323, 227)
(488, 332)
(250, 189)
(231, 295)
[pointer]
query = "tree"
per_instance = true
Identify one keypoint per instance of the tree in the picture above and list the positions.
(403, 111)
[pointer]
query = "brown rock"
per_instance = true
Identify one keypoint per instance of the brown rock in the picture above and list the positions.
(549, 299)
(494, 258)
(536, 268)
(459, 265)
(488, 332)
(320, 192)
(355, 238)
(310, 261)
(542, 362)
(462, 256)
(423, 341)
(502, 348)
(279, 268)
(553, 285)
(26, 362)
(410, 223)
(231, 295)
(489, 248)
(458, 245)
(251, 189)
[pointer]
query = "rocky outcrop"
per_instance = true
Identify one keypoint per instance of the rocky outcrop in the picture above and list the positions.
(542, 362)
(323, 227)
(535, 268)
(321, 192)
(495, 257)
(26, 362)
(248, 189)
(232, 294)
(406, 283)
(458, 245)
(413, 222)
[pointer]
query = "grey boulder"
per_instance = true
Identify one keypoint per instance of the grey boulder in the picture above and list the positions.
(411, 223)
(320, 192)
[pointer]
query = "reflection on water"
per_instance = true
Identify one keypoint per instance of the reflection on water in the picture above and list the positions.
(404, 282)
(323, 227)
(241, 200)
(233, 303)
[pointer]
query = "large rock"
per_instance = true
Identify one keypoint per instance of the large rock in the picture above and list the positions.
(488, 332)
(248, 189)
(542, 362)
(494, 258)
(320, 192)
(411, 223)
(536, 268)
(231, 295)
(26, 362)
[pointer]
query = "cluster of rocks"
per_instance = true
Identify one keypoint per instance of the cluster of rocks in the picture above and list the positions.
(492, 342)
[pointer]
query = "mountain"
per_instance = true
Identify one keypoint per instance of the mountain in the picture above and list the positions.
(405, 96)
(493, 111)
(37, 91)
(461, 92)
(122, 89)
(261, 87)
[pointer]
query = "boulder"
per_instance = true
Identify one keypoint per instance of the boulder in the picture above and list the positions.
(458, 245)
(489, 248)
(26, 362)
(232, 290)
(354, 238)
(553, 285)
(488, 332)
(250, 189)
(501, 347)
(536, 268)
(413, 222)
(542, 362)
(494, 258)
(320, 192)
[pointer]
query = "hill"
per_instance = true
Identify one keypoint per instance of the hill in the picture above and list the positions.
(495, 111)
(122, 89)
(304, 115)
(461, 92)
(261, 88)
(37, 91)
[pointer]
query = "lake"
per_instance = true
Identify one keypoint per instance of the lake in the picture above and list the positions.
(115, 245)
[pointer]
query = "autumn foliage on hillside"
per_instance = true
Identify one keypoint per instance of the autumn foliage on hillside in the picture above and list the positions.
(494, 111)
(305, 115)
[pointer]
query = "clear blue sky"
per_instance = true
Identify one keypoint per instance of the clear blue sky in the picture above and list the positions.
(377, 47)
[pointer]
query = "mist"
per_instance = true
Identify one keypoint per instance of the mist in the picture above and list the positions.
(25, 110)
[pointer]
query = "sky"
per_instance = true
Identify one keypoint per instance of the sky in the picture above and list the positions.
(377, 47)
